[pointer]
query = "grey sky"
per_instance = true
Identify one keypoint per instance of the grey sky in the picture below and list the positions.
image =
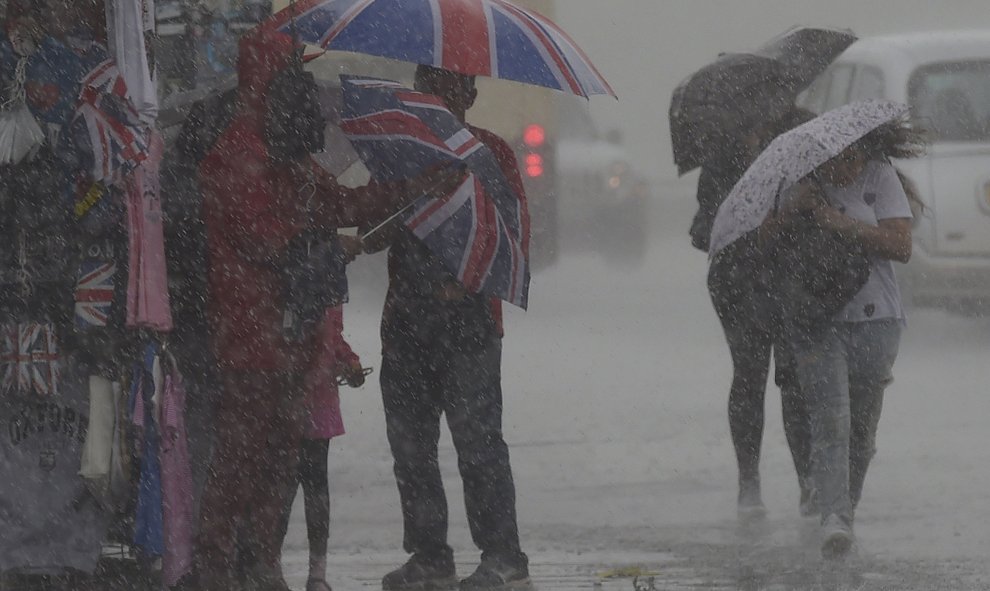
(645, 47)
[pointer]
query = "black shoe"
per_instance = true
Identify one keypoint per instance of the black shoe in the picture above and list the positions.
(497, 575)
(421, 574)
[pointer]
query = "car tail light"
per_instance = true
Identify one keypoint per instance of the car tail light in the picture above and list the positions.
(534, 165)
(534, 136)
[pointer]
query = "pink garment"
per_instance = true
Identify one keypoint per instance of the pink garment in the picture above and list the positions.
(147, 281)
(177, 481)
(322, 397)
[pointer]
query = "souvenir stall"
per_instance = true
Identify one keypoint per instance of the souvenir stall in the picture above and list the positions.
(93, 444)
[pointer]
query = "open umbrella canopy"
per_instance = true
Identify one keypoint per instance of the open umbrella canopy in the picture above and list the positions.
(739, 91)
(716, 104)
(481, 230)
(791, 157)
(806, 52)
(473, 37)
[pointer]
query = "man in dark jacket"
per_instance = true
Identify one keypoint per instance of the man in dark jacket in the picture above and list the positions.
(442, 350)
(260, 194)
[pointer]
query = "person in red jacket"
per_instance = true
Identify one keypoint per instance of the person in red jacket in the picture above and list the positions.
(335, 362)
(258, 195)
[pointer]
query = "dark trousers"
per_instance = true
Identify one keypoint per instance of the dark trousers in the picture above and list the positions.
(312, 476)
(258, 429)
(419, 384)
(749, 329)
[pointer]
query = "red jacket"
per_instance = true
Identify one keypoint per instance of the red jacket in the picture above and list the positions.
(253, 208)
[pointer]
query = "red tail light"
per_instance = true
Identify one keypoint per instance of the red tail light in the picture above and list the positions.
(534, 165)
(534, 136)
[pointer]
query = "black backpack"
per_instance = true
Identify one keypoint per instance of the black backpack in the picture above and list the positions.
(812, 273)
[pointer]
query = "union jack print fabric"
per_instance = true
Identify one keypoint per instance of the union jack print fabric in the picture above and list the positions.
(480, 230)
(492, 38)
(94, 294)
(29, 360)
(112, 127)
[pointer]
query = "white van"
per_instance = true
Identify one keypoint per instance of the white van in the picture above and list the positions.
(945, 78)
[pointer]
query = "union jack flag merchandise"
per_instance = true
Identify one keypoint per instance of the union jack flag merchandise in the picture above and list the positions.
(112, 129)
(29, 360)
(481, 230)
(94, 294)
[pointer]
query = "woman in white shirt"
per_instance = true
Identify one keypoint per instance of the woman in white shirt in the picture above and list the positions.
(845, 367)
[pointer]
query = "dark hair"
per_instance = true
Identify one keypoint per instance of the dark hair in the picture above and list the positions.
(795, 117)
(911, 190)
(900, 139)
(294, 122)
(430, 72)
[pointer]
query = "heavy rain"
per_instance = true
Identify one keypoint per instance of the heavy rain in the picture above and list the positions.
(489, 295)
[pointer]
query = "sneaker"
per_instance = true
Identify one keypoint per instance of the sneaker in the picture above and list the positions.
(808, 505)
(497, 575)
(421, 574)
(838, 538)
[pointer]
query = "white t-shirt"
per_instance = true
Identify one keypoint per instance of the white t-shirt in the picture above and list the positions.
(876, 195)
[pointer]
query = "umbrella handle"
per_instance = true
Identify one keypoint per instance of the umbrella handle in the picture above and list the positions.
(387, 221)
(392, 217)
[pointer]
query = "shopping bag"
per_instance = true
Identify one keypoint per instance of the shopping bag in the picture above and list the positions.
(20, 134)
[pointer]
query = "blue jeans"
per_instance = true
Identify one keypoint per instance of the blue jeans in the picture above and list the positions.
(844, 370)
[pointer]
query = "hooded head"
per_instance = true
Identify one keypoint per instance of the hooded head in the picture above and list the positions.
(279, 96)
(262, 55)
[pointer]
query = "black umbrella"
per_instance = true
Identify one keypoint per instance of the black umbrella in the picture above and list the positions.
(715, 105)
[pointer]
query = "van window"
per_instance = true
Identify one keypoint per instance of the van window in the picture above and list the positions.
(813, 98)
(867, 84)
(838, 90)
(953, 100)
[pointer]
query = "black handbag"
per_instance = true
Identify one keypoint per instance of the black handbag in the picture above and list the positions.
(314, 278)
(813, 272)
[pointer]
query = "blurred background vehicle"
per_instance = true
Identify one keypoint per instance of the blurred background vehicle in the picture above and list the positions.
(945, 78)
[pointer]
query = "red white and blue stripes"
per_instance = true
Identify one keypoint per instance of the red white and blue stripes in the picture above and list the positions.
(475, 37)
(480, 231)
(29, 359)
(115, 134)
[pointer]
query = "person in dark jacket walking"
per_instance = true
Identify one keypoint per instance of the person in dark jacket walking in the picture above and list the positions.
(261, 191)
(442, 354)
(745, 308)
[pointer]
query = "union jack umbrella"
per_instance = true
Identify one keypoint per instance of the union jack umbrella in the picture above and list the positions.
(108, 125)
(94, 294)
(29, 360)
(481, 230)
(473, 37)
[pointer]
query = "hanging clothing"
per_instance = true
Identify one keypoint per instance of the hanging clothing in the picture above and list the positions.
(48, 520)
(177, 481)
(147, 282)
(29, 359)
(128, 23)
(149, 534)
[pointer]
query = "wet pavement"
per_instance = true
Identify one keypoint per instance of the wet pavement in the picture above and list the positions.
(615, 385)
